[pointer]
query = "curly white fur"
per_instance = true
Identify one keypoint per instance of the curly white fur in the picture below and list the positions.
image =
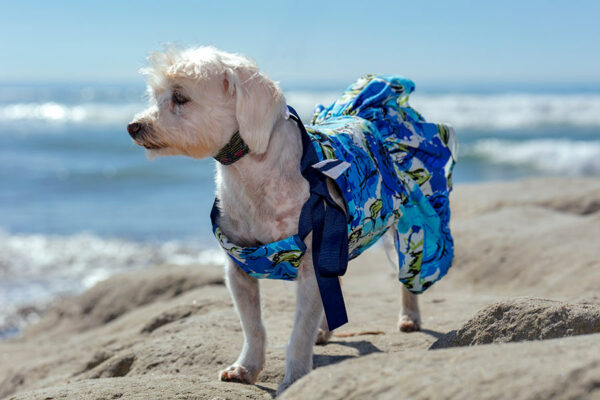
(261, 194)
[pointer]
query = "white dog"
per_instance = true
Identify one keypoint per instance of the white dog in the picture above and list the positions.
(201, 97)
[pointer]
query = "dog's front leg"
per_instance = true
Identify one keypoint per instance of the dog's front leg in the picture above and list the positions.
(308, 315)
(246, 297)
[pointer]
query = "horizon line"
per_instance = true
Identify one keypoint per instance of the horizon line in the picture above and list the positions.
(330, 84)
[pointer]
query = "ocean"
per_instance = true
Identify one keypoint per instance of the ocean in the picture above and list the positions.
(80, 202)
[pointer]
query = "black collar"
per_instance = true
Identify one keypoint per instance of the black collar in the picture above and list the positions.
(232, 151)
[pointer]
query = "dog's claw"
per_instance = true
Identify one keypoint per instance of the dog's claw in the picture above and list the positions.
(407, 324)
(323, 336)
(236, 373)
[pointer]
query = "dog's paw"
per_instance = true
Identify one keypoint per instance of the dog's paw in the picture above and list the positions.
(323, 336)
(408, 324)
(236, 373)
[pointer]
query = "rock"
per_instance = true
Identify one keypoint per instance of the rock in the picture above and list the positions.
(524, 319)
(157, 388)
(567, 368)
(116, 296)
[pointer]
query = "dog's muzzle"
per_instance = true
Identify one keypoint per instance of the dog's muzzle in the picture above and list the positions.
(141, 134)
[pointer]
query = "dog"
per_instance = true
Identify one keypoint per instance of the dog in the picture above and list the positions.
(210, 103)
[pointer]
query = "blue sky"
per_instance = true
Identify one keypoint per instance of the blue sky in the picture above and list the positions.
(308, 41)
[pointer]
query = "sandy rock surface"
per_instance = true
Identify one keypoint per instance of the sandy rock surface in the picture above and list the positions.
(524, 319)
(552, 369)
(165, 332)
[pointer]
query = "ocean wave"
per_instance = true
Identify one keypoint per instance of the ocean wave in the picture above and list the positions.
(463, 111)
(90, 258)
(560, 156)
(57, 113)
(510, 111)
(35, 268)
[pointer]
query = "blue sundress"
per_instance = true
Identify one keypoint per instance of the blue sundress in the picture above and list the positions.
(393, 170)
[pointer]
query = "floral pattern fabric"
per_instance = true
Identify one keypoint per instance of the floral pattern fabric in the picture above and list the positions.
(277, 260)
(393, 170)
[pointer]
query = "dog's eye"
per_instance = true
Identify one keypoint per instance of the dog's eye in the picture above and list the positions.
(179, 99)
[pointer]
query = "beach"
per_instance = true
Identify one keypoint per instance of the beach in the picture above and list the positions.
(517, 317)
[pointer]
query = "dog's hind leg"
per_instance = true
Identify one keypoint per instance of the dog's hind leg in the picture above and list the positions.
(324, 333)
(409, 319)
(309, 309)
(246, 297)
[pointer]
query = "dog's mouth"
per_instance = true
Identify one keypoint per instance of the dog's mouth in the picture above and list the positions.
(148, 142)
(149, 146)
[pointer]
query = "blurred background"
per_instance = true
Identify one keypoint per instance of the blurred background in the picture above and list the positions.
(520, 82)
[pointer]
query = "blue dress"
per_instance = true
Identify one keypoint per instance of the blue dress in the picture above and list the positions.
(393, 170)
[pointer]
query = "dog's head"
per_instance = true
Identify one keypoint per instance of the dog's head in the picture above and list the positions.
(200, 98)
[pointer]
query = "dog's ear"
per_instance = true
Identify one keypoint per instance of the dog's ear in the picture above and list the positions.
(259, 102)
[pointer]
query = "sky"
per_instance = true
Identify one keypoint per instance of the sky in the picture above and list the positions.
(308, 41)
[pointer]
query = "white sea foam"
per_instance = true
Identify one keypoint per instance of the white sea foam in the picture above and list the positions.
(510, 111)
(472, 111)
(34, 268)
(561, 156)
(88, 257)
(51, 112)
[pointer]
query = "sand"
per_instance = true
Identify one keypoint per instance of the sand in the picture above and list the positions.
(517, 317)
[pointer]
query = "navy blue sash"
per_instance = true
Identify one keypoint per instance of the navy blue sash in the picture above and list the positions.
(327, 221)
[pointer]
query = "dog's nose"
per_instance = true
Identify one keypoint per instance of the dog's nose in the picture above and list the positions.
(134, 128)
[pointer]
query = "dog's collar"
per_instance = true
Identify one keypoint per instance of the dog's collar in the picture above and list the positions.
(237, 148)
(232, 151)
